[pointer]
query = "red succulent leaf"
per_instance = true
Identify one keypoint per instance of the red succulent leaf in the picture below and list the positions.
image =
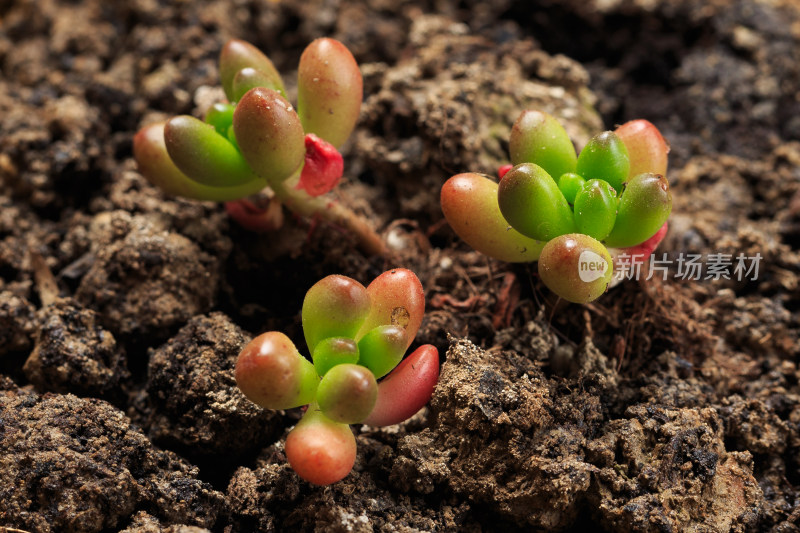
(503, 169)
(323, 166)
(407, 388)
(641, 252)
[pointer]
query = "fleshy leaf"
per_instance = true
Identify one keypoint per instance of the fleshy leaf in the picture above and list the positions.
(329, 90)
(644, 206)
(320, 450)
(155, 164)
(204, 155)
(269, 134)
(647, 148)
(407, 388)
(334, 351)
(220, 115)
(347, 393)
(250, 78)
(272, 373)
(335, 306)
(396, 298)
(323, 167)
(604, 157)
(533, 204)
(538, 137)
(576, 267)
(469, 203)
(382, 348)
(596, 209)
(569, 184)
(235, 56)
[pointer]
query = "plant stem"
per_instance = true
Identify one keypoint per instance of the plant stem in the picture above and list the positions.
(299, 202)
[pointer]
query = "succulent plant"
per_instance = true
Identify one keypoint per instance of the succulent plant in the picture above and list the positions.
(257, 140)
(356, 335)
(556, 206)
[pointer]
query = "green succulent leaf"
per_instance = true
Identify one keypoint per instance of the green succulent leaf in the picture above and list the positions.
(469, 203)
(538, 137)
(569, 184)
(596, 209)
(329, 90)
(235, 56)
(605, 157)
(533, 204)
(335, 306)
(204, 155)
(220, 115)
(269, 134)
(334, 351)
(158, 168)
(576, 267)
(382, 348)
(347, 393)
(250, 78)
(644, 206)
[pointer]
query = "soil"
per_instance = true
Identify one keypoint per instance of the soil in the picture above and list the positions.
(666, 405)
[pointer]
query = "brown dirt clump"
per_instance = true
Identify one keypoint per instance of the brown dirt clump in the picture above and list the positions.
(71, 464)
(193, 401)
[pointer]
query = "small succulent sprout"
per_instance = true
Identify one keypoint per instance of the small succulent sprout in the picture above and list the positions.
(347, 393)
(334, 351)
(269, 134)
(596, 209)
(538, 137)
(320, 450)
(569, 184)
(382, 348)
(204, 155)
(272, 373)
(469, 203)
(329, 90)
(407, 388)
(532, 203)
(397, 299)
(644, 207)
(220, 115)
(647, 149)
(335, 306)
(237, 55)
(605, 157)
(576, 267)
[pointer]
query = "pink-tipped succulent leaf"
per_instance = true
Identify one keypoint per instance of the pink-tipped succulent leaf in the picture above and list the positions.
(396, 298)
(329, 90)
(269, 134)
(272, 373)
(320, 450)
(237, 55)
(647, 149)
(469, 203)
(407, 388)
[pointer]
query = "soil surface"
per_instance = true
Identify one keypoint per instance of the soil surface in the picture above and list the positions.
(667, 405)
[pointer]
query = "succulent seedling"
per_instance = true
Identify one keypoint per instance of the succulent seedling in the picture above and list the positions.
(566, 209)
(356, 335)
(258, 141)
